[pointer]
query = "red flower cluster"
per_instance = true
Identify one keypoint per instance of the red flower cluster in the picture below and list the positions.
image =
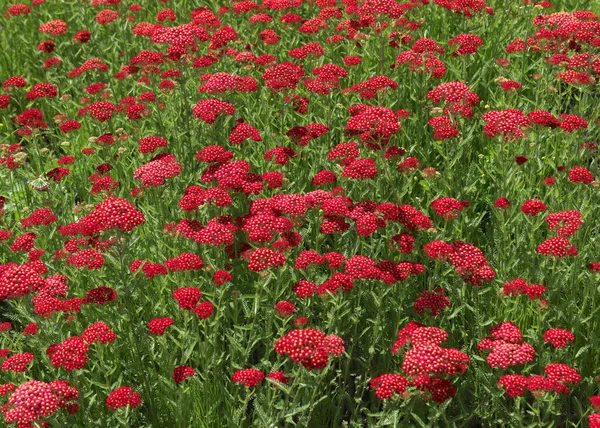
(263, 258)
(19, 280)
(158, 170)
(427, 363)
(557, 247)
(457, 97)
(447, 207)
(151, 143)
(224, 82)
(519, 286)
(181, 373)
(468, 260)
(309, 347)
(374, 125)
(565, 223)
(123, 396)
(187, 297)
(386, 385)
(558, 337)
(17, 363)
(509, 124)
(70, 354)
(533, 207)
(507, 346)
(436, 301)
(556, 378)
(158, 325)
(248, 377)
(423, 58)
(35, 400)
(112, 213)
(580, 174)
(209, 110)
(98, 332)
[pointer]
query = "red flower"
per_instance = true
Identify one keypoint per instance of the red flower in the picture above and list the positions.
(6, 388)
(558, 337)
(204, 310)
(42, 90)
(98, 332)
(19, 280)
(112, 213)
(300, 321)
(385, 386)
(447, 208)
(122, 397)
(580, 174)
(184, 262)
(106, 16)
(18, 9)
(557, 247)
(248, 377)
(520, 160)
(100, 296)
(309, 347)
(263, 258)
(435, 301)
(82, 36)
(17, 363)
(88, 257)
(151, 143)
(30, 329)
(70, 354)
(569, 222)
(284, 308)
(506, 346)
(181, 373)
(360, 169)
(221, 277)
(158, 170)
(279, 378)
(35, 400)
(467, 44)
(187, 297)
(507, 123)
(54, 28)
(513, 384)
(502, 203)
(208, 110)
(158, 325)
(409, 164)
(561, 374)
(533, 207)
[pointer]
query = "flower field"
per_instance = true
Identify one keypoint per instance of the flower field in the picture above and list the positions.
(311, 213)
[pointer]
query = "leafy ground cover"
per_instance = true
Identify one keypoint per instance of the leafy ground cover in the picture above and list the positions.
(299, 213)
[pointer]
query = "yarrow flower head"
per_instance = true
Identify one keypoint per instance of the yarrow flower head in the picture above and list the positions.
(112, 213)
(35, 400)
(509, 124)
(558, 337)
(309, 347)
(248, 377)
(507, 346)
(158, 325)
(386, 385)
(181, 373)
(123, 396)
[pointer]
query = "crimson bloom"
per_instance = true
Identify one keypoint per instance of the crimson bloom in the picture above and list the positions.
(123, 396)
